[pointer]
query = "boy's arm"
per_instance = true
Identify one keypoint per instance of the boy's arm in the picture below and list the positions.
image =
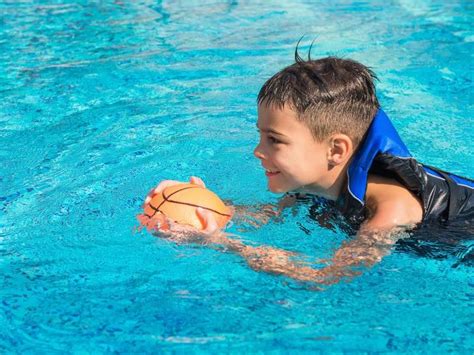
(365, 250)
(262, 258)
(254, 215)
(393, 210)
(258, 215)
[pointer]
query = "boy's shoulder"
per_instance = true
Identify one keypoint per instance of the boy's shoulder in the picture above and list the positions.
(391, 204)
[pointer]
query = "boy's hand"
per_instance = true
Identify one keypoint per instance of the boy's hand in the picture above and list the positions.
(206, 217)
(182, 233)
(160, 223)
(167, 183)
(208, 221)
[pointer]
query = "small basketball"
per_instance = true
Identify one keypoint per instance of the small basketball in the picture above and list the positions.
(179, 203)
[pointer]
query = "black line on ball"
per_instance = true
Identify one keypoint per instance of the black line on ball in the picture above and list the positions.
(193, 205)
(166, 199)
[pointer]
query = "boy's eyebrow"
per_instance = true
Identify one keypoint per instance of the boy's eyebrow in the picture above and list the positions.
(270, 131)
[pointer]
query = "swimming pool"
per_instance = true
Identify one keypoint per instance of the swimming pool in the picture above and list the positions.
(102, 100)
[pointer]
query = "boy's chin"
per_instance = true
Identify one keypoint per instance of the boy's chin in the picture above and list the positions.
(278, 189)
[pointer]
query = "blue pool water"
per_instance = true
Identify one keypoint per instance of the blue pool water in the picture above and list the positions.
(101, 100)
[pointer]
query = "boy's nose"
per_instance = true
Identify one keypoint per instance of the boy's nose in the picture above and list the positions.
(258, 153)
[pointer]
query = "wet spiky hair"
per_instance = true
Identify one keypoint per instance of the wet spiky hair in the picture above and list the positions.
(330, 95)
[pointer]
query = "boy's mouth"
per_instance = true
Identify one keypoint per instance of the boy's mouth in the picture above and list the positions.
(269, 172)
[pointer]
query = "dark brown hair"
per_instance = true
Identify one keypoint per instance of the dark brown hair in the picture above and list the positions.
(330, 95)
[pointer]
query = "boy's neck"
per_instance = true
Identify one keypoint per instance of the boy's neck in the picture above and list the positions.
(339, 182)
(336, 180)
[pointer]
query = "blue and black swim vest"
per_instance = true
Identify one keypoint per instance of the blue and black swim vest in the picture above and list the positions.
(445, 197)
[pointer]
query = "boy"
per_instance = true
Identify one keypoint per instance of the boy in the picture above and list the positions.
(322, 133)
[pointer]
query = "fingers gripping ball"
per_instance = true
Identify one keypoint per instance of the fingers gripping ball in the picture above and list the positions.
(179, 203)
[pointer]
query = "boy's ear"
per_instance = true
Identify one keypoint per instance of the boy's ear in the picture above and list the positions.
(340, 149)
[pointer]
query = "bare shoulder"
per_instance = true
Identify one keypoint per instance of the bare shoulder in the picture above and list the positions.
(391, 204)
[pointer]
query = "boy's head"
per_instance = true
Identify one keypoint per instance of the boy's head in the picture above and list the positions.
(329, 95)
(312, 115)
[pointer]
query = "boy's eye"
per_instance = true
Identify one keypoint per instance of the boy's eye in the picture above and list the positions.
(273, 140)
(270, 138)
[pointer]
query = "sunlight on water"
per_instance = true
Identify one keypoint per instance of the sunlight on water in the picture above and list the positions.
(101, 100)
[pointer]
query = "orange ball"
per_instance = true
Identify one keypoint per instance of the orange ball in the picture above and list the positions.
(179, 203)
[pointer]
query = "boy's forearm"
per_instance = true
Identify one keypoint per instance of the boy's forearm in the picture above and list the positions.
(221, 239)
(217, 239)
(258, 215)
(266, 259)
(278, 261)
(365, 250)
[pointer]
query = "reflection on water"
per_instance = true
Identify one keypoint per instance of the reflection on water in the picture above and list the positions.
(101, 100)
